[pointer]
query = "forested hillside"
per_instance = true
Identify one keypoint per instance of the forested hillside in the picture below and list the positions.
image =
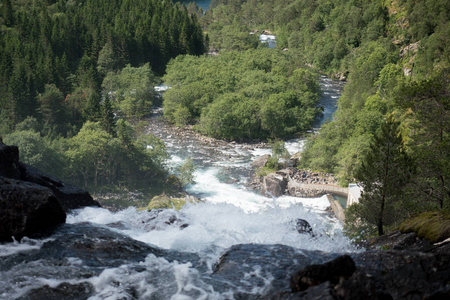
(395, 57)
(76, 76)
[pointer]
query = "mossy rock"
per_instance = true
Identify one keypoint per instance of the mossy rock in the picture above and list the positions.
(166, 201)
(433, 226)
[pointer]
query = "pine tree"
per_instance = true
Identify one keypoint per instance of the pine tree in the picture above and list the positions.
(107, 120)
(384, 172)
(7, 13)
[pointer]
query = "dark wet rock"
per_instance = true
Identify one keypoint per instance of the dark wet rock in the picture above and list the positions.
(303, 226)
(118, 225)
(160, 219)
(69, 196)
(399, 274)
(96, 247)
(266, 267)
(362, 286)
(378, 275)
(84, 252)
(27, 208)
(65, 290)
(396, 240)
(9, 161)
(274, 185)
(334, 271)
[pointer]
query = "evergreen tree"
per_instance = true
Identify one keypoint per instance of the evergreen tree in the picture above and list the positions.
(107, 120)
(385, 171)
(7, 13)
(428, 105)
(92, 110)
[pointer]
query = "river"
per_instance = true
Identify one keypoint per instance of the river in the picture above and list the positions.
(204, 4)
(235, 244)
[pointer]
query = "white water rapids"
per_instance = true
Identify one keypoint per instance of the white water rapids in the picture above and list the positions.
(230, 215)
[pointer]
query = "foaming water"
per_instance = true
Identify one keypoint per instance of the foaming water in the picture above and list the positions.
(24, 245)
(208, 226)
(209, 187)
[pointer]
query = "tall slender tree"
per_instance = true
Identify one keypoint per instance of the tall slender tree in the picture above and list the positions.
(384, 172)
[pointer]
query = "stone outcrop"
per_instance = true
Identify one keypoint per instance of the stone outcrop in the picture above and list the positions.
(69, 196)
(260, 161)
(333, 271)
(297, 183)
(30, 200)
(396, 240)
(27, 208)
(274, 185)
(9, 161)
(374, 275)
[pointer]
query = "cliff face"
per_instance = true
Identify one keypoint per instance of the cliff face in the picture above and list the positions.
(31, 201)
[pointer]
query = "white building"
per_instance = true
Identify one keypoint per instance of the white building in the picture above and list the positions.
(269, 39)
(354, 193)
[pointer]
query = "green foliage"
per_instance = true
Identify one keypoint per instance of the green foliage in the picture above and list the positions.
(131, 91)
(186, 172)
(40, 152)
(94, 158)
(427, 120)
(324, 31)
(241, 95)
(382, 176)
(355, 228)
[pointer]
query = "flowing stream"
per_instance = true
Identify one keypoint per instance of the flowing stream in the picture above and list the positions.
(237, 244)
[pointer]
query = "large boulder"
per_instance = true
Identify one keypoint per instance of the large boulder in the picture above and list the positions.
(27, 208)
(9, 161)
(69, 196)
(374, 274)
(274, 185)
(333, 271)
(260, 161)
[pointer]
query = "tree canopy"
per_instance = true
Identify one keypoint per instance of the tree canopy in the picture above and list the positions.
(258, 93)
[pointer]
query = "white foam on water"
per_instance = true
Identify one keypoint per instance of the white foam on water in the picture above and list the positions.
(209, 187)
(222, 225)
(159, 279)
(257, 152)
(24, 245)
(294, 146)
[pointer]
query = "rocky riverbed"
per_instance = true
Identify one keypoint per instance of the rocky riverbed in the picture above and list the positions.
(292, 181)
(83, 260)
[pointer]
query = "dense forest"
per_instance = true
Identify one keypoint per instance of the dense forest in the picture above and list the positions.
(76, 77)
(395, 57)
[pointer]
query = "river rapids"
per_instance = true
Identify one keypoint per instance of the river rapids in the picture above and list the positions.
(235, 244)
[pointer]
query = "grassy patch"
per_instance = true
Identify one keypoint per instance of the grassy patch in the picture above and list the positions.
(433, 226)
(264, 171)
